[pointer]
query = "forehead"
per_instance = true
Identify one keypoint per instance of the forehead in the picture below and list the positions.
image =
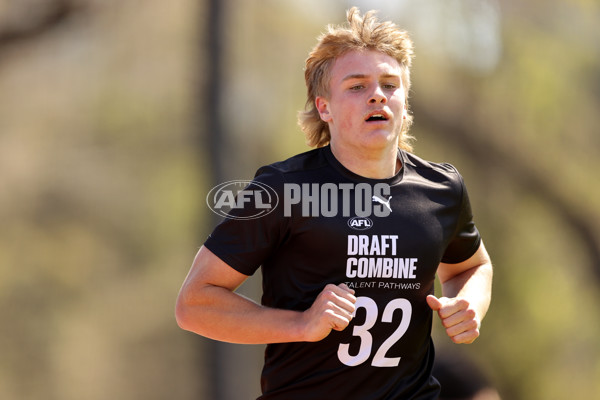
(369, 63)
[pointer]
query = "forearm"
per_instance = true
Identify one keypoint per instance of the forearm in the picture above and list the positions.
(224, 315)
(208, 305)
(473, 285)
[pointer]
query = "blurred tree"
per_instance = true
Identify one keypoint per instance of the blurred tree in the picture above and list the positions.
(99, 191)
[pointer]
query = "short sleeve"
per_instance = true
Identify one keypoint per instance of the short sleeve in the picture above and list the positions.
(466, 238)
(244, 242)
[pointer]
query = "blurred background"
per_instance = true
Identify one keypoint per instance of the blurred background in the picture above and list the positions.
(118, 116)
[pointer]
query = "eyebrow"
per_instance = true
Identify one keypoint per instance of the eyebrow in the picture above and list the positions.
(363, 76)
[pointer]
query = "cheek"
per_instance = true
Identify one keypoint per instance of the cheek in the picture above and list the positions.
(346, 115)
(399, 100)
(346, 123)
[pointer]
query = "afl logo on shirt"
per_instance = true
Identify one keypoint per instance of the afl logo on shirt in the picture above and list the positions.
(360, 223)
(242, 199)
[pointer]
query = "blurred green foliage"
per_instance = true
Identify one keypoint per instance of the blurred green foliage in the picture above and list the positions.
(103, 179)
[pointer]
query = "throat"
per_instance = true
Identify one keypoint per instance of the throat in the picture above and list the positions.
(381, 166)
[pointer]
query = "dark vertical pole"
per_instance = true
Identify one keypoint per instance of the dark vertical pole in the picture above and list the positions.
(210, 98)
(226, 364)
(212, 82)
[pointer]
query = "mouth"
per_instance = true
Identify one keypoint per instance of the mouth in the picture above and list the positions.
(377, 116)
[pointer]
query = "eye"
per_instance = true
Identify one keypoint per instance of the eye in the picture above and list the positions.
(356, 87)
(389, 86)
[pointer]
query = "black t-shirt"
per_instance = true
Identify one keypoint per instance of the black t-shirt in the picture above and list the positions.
(382, 237)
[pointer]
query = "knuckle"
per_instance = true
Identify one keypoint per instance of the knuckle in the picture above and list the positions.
(328, 295)
(455, 339)
(462, 303)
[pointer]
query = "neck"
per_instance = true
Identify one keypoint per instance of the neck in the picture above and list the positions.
(375, 164)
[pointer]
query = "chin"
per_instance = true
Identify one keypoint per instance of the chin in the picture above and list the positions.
(380, 140)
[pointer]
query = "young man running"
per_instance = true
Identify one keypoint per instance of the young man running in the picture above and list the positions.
(349, 255)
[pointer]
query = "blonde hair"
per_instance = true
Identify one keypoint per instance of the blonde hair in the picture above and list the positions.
(361, 33)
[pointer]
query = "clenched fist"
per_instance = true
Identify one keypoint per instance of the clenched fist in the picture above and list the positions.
(333, 309)
(460, 320)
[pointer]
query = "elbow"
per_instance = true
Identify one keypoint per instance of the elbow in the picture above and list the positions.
(182, 313)
(191, 313)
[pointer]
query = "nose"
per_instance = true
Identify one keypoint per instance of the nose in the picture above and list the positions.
(378, 96)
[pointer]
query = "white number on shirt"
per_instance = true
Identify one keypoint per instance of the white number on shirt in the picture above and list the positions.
(366, 339)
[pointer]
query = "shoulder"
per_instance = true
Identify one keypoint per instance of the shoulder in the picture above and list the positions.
(431, 171)
(422, 164)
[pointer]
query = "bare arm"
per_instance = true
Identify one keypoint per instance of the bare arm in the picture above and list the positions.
(466, 291)
(209, 306)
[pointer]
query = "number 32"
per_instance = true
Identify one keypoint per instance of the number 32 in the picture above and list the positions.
(366, 343)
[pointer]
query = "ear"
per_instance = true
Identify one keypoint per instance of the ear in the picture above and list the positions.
(322, 106)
